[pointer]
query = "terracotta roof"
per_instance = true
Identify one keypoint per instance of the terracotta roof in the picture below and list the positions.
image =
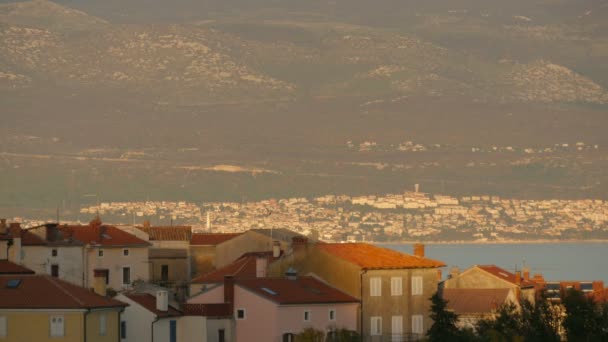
(102, 235)
(7, 267)
(148, 301)
(505, 275)
(303, 290)
(46, 292)
(369, 256)
(243, 267)
(478, 301)
(27, 238)
(211, 239)
(168, 233)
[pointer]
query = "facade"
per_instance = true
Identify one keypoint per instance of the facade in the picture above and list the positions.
(148, 318)
(394, 288)
(43, 308)
(121, 257)
(276, 309)
(473, 305)
(493, 277)
(203, 251)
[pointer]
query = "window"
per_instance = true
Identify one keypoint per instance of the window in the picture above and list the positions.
(125, 252)
(396, 286)
(397, 328)
(375, 286)
(288, 337)
(416, 286)
(332, 314)
(55, 271)
(376, 326)
(56, 326)
(172, 330)
(240, 313)
(100, 253)
(221, 335)
(126, 275)
(103, 327)
(3, 327)
(123, 329)
(106, 275)
(54, 252)
(306, 316)
(164, 272)
(417, 327)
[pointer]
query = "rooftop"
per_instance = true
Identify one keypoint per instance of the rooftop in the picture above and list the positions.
(475, 301)
(243, 267)
(505, 275)
(8, 267)
(302, 290)
(102, 235)
(211, 239)
(369, 256)
(30, 291)
(167, 233)
(148, 301)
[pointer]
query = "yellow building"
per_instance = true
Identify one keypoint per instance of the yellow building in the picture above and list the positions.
(42, 308)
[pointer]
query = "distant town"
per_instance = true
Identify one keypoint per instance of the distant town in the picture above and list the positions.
(410, 216)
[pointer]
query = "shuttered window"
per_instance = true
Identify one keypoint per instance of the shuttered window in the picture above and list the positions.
(396, 286)
(375, 286)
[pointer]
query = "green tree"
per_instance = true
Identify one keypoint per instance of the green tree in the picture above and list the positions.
(585, 319)
(310, 335)
(444, 321)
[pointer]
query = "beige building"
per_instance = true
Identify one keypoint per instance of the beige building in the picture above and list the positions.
(394, 288)
(473, 305)
(42, 308)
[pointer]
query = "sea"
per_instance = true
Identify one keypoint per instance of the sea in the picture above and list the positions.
(583, 261)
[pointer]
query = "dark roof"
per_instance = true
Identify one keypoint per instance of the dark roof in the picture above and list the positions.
(303, 290)
(8, 267)
(475, 301)
(211, 239)
(505, 275)
(168, 233)
(102, 235)
(243, 267)
(45, 292)
(27, 238)
(369, 256)
(148, 301)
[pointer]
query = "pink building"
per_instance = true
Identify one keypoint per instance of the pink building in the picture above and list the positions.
(275, 309)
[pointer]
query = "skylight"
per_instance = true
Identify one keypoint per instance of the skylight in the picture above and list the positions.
(13, 283)
(269, 291)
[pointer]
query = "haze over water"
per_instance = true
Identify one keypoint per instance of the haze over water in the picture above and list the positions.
(559, 261)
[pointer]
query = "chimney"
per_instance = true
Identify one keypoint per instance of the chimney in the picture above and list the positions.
(99, 282)
(15, 249)
(416, 187)
(291, 274)
(261, 263)
(3, 226)
(454, 272)
(147, 224)
(276, 249)
(162, 300)
(518, 277)
(439, 274)
(419, 250)
(526, 272)
(229, 291)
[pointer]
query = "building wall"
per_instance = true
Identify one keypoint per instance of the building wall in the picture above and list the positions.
(215, 324)
(291, 317)
(71, 267)
(138, 321)
(229, 251)
(112, 326)
(161, 329)
(202, 259)
(114, 261)
(178, 269)
(213, 296)
(192, 329)
(261, 317)
(475, 278)
(35, 326)
(386, 305)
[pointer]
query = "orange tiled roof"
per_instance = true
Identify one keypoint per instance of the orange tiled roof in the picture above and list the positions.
(505, 275)
(27, 238)
(369, 256)
(303, 290)
(168, 233)
(8, 267)
(46, 292)
(102, 235)
(243, 267)
(478, 301)
(148, 301)
(211, 239)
